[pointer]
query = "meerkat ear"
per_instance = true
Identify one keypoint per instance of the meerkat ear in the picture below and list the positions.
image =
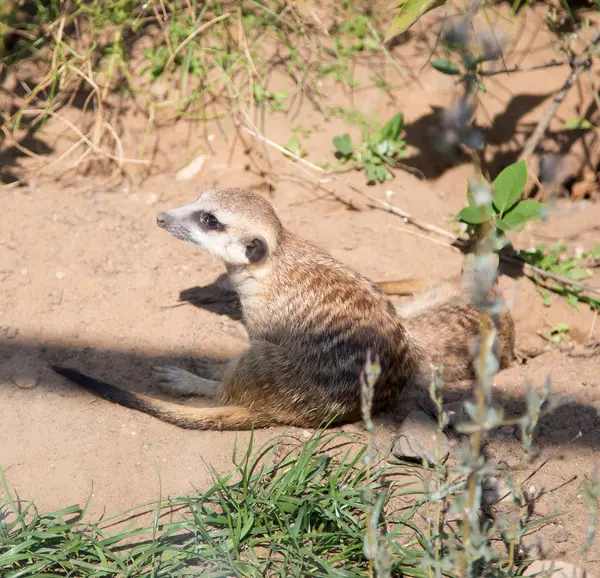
(256, 250)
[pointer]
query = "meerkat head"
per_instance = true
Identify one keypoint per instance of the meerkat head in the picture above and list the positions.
(238, 226)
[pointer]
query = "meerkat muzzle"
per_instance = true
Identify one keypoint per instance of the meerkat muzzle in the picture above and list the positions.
(161, 220)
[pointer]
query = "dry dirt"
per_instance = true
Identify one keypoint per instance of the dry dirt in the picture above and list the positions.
(88, 280)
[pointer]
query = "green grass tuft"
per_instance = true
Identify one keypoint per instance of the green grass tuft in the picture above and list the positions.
(288, 509)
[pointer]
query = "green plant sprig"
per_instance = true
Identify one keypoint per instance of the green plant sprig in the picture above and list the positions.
(378, 151)
(506, 210)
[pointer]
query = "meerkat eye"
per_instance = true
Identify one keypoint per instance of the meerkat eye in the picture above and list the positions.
(212, 221)
(209, 221)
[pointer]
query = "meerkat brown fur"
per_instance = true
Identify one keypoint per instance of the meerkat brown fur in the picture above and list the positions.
(310, 321)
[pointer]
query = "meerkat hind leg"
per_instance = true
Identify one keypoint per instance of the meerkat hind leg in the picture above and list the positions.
(179, 382)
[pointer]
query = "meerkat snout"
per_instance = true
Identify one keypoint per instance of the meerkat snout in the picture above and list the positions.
(161, 220)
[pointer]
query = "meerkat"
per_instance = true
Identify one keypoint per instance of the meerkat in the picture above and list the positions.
(310, 320)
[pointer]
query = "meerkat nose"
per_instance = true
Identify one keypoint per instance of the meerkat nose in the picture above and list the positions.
(161, 220)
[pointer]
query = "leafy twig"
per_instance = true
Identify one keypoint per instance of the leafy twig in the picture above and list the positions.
(579, 64)
(546, 274)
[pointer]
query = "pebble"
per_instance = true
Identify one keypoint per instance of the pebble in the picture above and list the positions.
(417, 438)
(26, 382)
(561, 535)
(189, 171)
(11, 332)
(555, 569)
(535, 547)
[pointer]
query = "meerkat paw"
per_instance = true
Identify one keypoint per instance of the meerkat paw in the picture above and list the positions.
(178, 382)
(209, 369)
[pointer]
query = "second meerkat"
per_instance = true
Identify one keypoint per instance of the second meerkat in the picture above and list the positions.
(311, 321)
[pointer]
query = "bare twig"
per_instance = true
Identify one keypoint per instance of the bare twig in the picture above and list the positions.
(579, 64)
(378, 204)
(551, 64)
(429, 238)
(284, 151)
(591, 333)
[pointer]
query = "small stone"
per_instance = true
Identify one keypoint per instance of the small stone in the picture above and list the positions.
(536, 547)
(561, 535)
(189, 171)
(11, 332)
(555, 569)
(60, 275)
(25, 382)
(508, 430)
(151, 198)
(418, 439)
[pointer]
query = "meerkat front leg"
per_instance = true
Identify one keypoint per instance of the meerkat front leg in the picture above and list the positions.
(213, 370)
(178, 382)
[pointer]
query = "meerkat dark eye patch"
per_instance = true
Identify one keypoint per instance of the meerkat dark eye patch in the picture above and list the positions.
(208, 221)
(256, 250)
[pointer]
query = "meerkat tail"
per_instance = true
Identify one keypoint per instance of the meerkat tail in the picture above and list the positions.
(402, 286)
(226, 417)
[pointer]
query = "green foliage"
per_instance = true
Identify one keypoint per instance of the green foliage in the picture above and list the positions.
(559, 333)
(408, 12)
(286, 509)
(377, 153)
(577, 123)
(295, 147)
(445, 66)
(505, 208)
(555, 260)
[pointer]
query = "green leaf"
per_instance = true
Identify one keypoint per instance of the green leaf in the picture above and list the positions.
(475, 214)
(515, 219)
(560, 328)
(260, 94)
(293, 145)
(343, 145)
(594, 252)
(546, 297)
(579, 273)
(382, 173)
(445, 66)
(371, 173)
(393, 127)
(577, 124)
(509, 186)
(409, 12)
(572, 299)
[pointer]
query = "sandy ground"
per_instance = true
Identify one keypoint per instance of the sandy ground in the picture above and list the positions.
(89, 280)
